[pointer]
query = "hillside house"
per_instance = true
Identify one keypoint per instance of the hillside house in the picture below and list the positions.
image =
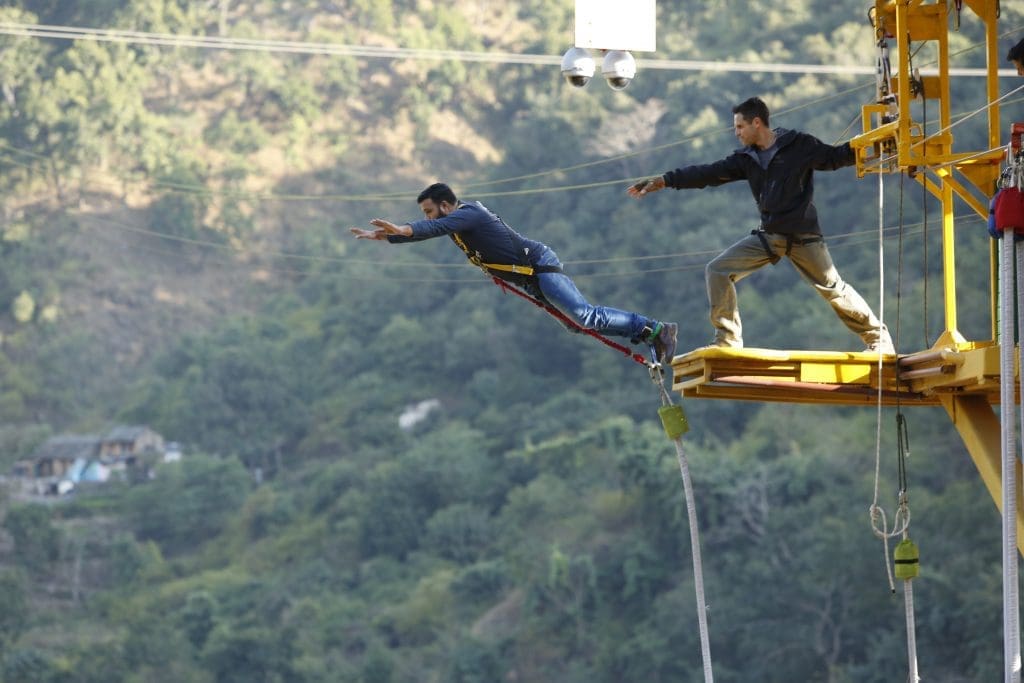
(58, 455)
(62, 462)
(129, 442)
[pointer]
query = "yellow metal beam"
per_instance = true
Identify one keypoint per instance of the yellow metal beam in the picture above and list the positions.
(979, 428)
(972, 200)
(948, 253)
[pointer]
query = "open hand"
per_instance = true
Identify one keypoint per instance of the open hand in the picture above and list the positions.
(363, 234)
(390, 228)
(382, 229)
(644, 187)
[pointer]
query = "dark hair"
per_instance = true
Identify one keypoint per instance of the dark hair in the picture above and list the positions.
(1016, 53)
(751, 108)
(437, 193)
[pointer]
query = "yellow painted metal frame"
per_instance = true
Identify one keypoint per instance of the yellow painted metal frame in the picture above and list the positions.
(960, 375)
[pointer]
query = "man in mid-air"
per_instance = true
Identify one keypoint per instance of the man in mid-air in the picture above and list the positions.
(502, 252)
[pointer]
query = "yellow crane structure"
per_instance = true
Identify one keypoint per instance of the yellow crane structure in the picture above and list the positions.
(961, 375)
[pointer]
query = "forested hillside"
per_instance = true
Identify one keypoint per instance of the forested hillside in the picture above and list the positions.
(175, 253)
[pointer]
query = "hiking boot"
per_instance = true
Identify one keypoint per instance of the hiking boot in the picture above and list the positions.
(664, 342)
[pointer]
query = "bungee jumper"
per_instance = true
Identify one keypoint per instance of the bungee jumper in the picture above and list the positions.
(531, 266)
(778, 164)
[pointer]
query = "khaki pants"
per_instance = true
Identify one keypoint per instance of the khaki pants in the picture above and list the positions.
(814, 264)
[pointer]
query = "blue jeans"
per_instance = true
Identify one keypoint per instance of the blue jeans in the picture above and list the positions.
(561, 292)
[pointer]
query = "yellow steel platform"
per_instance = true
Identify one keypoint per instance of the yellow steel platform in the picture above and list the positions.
(837, 377)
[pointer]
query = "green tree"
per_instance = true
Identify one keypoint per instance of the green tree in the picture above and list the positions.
(180, 214)
(27, 664)
(251, 654)
(199, 617)
(189, 501)
(131, 559)
(14, 608)
(85, 105)
(36, 539)
(21, 60)
(472, 661)
(460, 532)
(378, 666)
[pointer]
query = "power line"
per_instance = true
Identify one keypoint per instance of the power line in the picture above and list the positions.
(381, 52)
(213, 42)
(837, 240)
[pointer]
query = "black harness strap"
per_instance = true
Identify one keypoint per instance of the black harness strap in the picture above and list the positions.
(772, 256)
(790, 241)
(501, 269)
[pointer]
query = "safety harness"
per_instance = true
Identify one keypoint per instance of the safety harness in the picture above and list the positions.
(513, 268)
(576, 327)
(537, 297)
(790, 241)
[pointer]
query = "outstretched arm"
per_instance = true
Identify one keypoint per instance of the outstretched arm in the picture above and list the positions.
(694, 176)
(383, 230)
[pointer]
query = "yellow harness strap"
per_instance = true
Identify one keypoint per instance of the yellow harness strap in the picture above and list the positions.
(475, 260)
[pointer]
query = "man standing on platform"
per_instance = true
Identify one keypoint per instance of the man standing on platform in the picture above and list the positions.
(779, 166)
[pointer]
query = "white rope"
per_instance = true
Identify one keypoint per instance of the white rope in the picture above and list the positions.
(698, 572)
(876, 511)
(908, 602)
(880, 523)
(698, 566)
(901, 520)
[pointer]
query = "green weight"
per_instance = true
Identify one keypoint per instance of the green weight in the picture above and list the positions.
(906, 558)
(674, 421)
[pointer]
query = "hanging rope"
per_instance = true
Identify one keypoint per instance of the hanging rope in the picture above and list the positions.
(1010, 493)
(674, 421)
(1009, 219)
(905, 556)
(572, 324)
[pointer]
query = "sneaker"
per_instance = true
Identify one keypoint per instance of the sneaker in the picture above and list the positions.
(665, 342)
(884, 347)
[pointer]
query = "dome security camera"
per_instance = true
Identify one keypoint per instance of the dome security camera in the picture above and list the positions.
(618, 68)
(577, 67)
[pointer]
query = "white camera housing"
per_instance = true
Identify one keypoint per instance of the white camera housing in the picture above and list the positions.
(578, 67)
(618, 68)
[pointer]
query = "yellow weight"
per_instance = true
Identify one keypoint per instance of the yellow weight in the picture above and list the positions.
(674, 421)
(906, 559)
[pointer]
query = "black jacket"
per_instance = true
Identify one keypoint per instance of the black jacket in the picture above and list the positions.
(784, 192)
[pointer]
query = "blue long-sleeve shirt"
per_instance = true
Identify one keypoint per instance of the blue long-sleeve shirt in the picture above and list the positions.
(485, 235)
